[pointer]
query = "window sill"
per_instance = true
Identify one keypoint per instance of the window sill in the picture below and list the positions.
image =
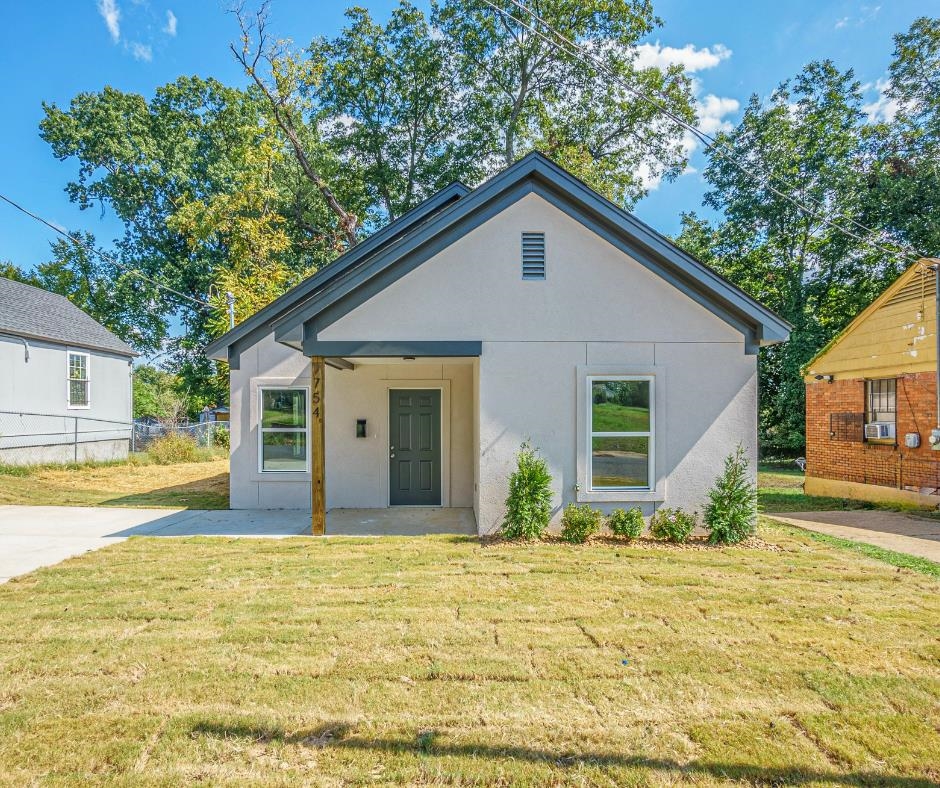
(620, 496)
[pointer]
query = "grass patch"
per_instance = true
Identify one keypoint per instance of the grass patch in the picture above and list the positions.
(781, 490)
(136, 481)
(892, 557)
(438, 660)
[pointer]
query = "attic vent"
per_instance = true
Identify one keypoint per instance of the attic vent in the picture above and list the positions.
(533, 255)
(916, 289)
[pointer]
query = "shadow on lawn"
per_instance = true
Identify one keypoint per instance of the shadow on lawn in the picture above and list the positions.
(334, 735)
(208, 493)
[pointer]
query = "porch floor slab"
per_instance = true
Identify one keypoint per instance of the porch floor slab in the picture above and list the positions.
(400, 521)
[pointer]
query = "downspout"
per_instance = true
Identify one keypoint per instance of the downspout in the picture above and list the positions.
(19, 339)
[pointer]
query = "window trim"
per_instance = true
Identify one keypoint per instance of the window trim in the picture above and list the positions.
(650, 436)
(262, 387)
(68, 379)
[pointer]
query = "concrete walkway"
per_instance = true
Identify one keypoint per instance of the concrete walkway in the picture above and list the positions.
(903, 533)
(36, 536)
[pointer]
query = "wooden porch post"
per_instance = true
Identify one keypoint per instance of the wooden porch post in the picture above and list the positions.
(318, 447)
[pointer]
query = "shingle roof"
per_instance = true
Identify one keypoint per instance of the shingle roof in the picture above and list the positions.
(38, 314)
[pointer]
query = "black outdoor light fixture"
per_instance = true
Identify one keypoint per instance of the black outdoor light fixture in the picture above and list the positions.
(360, 428)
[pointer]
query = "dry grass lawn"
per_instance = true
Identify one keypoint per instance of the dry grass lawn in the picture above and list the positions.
(440, 661)
(192, 485)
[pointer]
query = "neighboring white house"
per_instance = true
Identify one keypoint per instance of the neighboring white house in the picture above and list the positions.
(530, 308)
(65, 381)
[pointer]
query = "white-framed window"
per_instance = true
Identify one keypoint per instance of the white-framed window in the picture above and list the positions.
(620, 434)
(78, 380)
(283, 417)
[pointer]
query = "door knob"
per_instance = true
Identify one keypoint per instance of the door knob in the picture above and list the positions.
(393, 455)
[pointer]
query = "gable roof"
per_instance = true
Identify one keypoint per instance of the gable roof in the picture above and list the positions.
(360, 273)
(33, 313)
(910, 297)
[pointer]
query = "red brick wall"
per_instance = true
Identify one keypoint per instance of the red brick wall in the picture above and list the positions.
(872, 463)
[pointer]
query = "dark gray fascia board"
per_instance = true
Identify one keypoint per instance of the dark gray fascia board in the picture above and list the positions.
(259, 323)
(392, 348)
(566, 192)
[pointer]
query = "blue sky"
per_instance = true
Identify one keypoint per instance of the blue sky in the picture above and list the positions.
(49, 51)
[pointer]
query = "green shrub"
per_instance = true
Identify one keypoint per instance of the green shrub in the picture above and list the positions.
(221, 438)
(529, 504)
(580, 522)
(731, 513)
(172, 448)
(626, 523)
(673, 525)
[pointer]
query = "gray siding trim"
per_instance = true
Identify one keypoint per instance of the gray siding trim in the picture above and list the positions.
(391, 348)
(259, 324)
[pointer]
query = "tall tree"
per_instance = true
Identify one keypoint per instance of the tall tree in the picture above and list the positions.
(389, 93)
(524, 92)
(805, 142)
(903, 151)
(200, 185)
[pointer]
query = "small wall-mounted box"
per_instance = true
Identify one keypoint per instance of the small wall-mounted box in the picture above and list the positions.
(912, 440)
(360, 428)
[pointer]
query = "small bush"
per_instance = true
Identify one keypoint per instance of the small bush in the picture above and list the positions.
(172, 448)
(673, 525)
(731, 512)
(529, 503)
(580, 522)
(626, 523)
(221, 438)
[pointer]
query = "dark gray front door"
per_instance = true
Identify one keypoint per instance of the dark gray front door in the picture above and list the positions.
(414, 447)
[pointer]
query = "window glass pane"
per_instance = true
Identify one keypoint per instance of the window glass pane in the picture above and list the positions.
(620, 406)
(284, 408)
(619, 462)
(77, 367)
(78, 392)
(284, 451)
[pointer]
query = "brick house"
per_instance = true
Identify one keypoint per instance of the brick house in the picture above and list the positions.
(871, 400)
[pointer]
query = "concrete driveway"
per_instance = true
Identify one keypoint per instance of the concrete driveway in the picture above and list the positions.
(903, 533)
(35, 536)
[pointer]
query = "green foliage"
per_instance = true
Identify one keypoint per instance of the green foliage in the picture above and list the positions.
(580, 522)
(523, 93)
(158, 394)
(529, 503)
(221, 437)
(673, 525)
(731, 512)
(172, 448)
(627, 523)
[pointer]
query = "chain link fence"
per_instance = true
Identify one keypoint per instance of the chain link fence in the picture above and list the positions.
(207, 434)
(34, 438)
(40, 438)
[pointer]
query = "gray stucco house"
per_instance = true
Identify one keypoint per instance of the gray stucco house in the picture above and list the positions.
(528, 308)
(65, 381)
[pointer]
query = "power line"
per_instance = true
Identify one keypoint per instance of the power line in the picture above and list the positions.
(106, 257)
(707, 140)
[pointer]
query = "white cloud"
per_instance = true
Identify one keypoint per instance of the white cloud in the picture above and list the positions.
(840, 23)
(170, 28)
(112, 17)
(883, 108)
(690, 57)
(141, 51)
(713, 111)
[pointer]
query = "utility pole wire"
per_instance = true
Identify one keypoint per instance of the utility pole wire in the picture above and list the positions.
(106, 257)
(707, 140)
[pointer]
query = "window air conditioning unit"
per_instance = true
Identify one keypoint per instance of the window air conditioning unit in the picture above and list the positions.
(879, 430)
